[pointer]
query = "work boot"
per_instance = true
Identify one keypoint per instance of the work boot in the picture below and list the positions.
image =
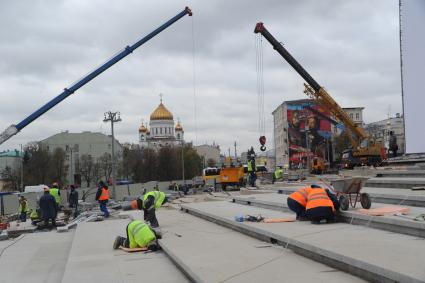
(157, 232)
(119, 241)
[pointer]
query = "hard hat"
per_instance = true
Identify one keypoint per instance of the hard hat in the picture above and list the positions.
(133, 204)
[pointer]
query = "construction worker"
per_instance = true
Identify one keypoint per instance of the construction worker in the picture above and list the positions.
(55, 192)
(23, 209)
(321, 204)
(48, 207)
(297, 201)
(278, 174)
(102, 196)
(73, 200)
(151, 200)
(139, 235)
(251, 172)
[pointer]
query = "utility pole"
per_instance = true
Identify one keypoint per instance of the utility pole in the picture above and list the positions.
(113, 117)
(236, 154)
(70, 149)
(184, 182)
(22, 169)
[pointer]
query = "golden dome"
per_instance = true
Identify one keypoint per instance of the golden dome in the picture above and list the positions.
(179, 126)
(161, 113)
(143, 129)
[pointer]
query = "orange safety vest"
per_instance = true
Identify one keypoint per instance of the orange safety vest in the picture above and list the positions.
(318, 198)
(301, 196)
(104, 195)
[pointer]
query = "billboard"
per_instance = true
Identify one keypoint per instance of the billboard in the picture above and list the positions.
(412, 44)
(309, 132)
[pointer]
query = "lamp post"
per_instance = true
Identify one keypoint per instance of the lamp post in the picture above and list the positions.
(70, 149)
(113, 117)
(184, 181)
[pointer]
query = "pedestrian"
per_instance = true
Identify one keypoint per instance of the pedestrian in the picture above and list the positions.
(321, 204)
(48, 208)
(393, 144)
(139, 235)
(73, 200)
(102, 196)
(55, 192)
(278, 174)
(151, 200)
(23, 209)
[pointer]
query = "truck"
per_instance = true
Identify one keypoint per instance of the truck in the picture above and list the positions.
(364, 150)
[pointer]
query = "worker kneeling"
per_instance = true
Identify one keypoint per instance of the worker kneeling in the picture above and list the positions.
(139, 235)
(321, 204)
(297, 201)
(151, 200)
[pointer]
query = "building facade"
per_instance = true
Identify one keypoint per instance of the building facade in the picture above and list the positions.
(381, 129)
(356, 115)
(162, 131)
(208, 152)
(78, 144)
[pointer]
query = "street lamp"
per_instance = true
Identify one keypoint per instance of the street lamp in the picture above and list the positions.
(113, 117)
(70, 149)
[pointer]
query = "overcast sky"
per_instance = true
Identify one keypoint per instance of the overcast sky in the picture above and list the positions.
(350, 47)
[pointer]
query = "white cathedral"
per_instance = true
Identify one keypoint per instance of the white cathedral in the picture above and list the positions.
(161, 131)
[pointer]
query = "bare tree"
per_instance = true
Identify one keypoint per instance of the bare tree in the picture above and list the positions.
(86, 168)
(105, 162)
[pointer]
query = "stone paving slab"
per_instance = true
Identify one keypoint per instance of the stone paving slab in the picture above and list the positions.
(373, 254)
(395, 182)
(399, 224)
(211, 253)
(36, 257)
(382, 195)
(92, 258)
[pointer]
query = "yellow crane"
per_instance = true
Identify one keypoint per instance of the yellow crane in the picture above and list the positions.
(364, 150)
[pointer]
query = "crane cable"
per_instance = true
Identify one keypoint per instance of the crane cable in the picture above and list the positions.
(260, 90)
(194, 82)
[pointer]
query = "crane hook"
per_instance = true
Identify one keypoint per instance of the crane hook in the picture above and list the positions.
(262, 140)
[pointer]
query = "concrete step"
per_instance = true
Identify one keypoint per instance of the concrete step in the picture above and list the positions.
(379, 195)
(394, 182)
(208, 252)
(35, 257)
(402, 173)
(92, 259)
(397, 224)
(374, 255)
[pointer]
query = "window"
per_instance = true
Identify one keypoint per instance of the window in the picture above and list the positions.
(351, 116)
(160, 130)
(357, 116)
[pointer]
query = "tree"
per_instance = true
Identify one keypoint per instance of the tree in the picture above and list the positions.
(36, 165)
(11, 177)
(341, 143)
(58, 169)
(105, 162)
(86, 168)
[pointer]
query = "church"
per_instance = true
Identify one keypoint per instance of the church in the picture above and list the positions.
(162, 131)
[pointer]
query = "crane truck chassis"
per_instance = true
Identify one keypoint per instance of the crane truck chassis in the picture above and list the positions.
(364, 150)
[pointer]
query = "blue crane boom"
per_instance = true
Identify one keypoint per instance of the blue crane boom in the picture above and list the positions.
(14, 129)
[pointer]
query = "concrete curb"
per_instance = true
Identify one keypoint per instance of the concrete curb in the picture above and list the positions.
(350, 265)
(400, 226)
(179, 263)
(418, 201)
(397, 182)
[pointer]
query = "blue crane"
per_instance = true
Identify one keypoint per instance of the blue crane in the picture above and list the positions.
(14, 129)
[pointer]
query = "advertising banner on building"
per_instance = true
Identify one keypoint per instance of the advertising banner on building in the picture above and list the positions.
(309, 132)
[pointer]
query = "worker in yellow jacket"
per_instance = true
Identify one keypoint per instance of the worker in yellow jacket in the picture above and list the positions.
(151, 201)
(139, 235)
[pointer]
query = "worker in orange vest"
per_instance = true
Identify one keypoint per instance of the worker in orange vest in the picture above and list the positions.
(297, 202)
(102, 196)
(321, 204)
